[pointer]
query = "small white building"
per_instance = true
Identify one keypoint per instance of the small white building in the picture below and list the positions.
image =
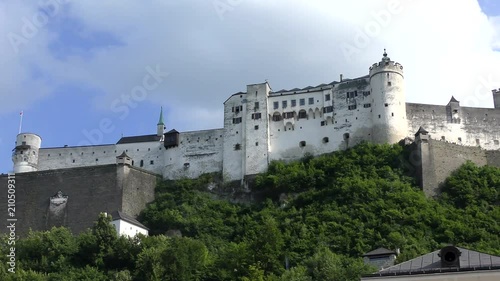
(127, 225)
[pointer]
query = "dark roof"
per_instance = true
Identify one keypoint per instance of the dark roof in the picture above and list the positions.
(379, 252)
(134, 139)
(117, 215)
(421, 131)
(453, 99)
(172, 131)
(431, 263)
(123, 155)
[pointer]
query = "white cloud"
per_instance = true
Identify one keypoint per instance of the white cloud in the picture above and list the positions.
(445, 47)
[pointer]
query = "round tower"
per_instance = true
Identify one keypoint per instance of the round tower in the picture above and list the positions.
(388, 101)
(25, 154)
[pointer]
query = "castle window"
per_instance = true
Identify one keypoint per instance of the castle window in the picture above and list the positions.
(48, 155)
(22, 152)
(311, 100)
(293, 103)
(389, 84)
(149, 149)
(82, 153)
(256, 115)
(496, 142)
(326, 140)
(237, 120)
(459, 140)
(186, 165)
(379, 116)
(276, 105)
(142, 163)
(302, 102)
(151, 162)
(256, 127)
(256, 143)
(352, 107)
(302, 144)
(328, 109)
(327, 97)
(323, 123)
(392, 114)
(96, 159)
(73, 160)
(284, 103)
(288, 115)
(367, 105)
(138, 149)
(132, 162)
(276, 116)
(302, 114)
(237, 109)
(256, 105)
(386, 105)
(24, 143)
(237, 146)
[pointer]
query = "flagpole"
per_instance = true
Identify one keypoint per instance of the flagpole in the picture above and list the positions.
(21, 122)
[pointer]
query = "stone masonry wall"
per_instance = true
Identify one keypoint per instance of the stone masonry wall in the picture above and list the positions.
(90, 191)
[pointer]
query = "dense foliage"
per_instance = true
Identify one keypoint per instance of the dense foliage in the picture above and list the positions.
(336, 208)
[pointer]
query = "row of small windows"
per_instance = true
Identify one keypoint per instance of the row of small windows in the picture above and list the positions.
(93, 152)
(151, 162)
(302, 102)
(478, 141)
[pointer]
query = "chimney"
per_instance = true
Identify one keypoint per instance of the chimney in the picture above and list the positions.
(341, 77)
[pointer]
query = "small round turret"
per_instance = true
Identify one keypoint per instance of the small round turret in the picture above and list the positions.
(388, 101)
(25, 154)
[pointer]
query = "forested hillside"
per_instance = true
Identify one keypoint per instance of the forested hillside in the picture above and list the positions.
(336, 208)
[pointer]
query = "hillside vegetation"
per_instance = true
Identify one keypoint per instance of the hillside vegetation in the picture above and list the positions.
(337, 207)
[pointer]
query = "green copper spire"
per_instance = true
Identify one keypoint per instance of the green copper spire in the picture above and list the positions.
(160, 122)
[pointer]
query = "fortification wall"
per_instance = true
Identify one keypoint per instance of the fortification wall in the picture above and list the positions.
(476, 127)
(438, 159)
(145, 155)
(138, 188)
(76, 156)
(198, 152)
(90, 191)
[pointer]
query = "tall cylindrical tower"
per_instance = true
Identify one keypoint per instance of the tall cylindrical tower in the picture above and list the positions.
(388, 101)
(25, 154)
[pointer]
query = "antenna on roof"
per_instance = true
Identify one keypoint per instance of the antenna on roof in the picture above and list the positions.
(20, 121)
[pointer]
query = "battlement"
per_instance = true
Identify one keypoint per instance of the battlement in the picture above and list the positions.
(385, 66)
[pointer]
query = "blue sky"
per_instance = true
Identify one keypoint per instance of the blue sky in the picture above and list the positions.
(68, 65)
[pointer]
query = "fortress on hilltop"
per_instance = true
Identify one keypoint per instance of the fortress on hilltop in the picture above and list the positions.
(260, 125)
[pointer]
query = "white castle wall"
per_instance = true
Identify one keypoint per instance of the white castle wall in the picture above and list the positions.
(145, 155)
(198, 152)
(232, 156)
(76, 156)
(256, 141)
(476, 127)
